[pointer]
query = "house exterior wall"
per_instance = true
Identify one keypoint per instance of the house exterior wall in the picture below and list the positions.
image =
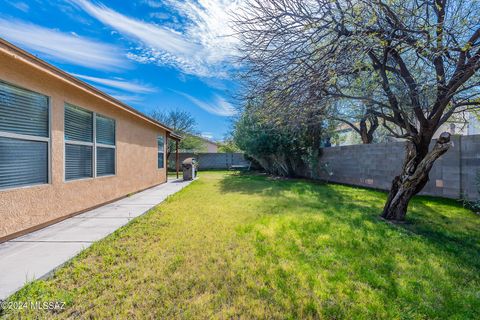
(24, 208)
(211, 147)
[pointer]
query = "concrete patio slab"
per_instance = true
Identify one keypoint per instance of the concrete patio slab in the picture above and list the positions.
(76, 230)
(37, 254)
(120, 211)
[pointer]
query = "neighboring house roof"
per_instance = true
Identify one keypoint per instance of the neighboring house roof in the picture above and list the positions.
(18, 53)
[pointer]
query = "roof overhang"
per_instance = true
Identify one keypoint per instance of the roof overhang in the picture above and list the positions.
(173, 136)
(18, 53)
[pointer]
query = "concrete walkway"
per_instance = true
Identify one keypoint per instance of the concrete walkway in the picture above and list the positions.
(36, 254)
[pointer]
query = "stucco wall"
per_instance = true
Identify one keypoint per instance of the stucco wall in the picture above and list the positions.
(136, 155)
(212, 148)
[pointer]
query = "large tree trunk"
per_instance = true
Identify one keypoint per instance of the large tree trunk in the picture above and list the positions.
(414, 176)
(366, 133)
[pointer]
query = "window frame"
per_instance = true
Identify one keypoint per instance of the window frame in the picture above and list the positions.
(93, 144)
(164, 136)
(48, 140)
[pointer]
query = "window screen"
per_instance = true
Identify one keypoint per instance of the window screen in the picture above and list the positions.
(105, 161)
(78, 161)
(105, 135)
(24, 137)
(78, 124)
(23, 162)
(105, 130)
(78, 143)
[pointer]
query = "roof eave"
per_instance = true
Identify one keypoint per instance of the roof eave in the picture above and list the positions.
(175, 136)
(45, 66)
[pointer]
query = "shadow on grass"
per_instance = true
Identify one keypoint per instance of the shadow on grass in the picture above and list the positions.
(455, 234)
(336, 230)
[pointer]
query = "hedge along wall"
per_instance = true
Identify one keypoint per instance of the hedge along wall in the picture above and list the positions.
(375, 166)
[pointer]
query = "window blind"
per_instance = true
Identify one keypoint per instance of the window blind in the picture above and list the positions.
(78, 161)
(24, 137)
(161, 147)
(89, 144)
(23, 112)
(23, 162)
(78, 124)
(105, 130)
(105, 161)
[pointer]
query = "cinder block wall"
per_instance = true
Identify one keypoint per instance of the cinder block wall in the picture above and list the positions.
(376, 165)
(211, 160)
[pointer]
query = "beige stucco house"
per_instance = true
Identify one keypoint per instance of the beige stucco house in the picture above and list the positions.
(211, 146)
(66, 147)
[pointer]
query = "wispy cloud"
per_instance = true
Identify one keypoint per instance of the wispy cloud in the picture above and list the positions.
(150, 34)
(64, 47)
(20, 5)
(133, 87)
(126, 98)
(201, 46)
(207, 135)
(209, 22)
(217, 106)
(153, 3)
(160, 15)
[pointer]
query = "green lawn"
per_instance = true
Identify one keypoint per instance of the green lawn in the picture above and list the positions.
(248, 246)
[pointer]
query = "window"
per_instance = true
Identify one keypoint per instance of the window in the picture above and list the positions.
(78, 143)
(105, 140)
(24, 137)
(161, 147)
(89, 144)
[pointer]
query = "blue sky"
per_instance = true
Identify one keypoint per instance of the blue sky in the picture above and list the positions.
(148, 53)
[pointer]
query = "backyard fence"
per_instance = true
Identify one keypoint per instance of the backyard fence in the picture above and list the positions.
(454, 175)
(211, 160)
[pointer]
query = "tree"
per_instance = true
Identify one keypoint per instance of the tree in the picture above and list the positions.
(279, 147)
(180, 121)
(360, 119)
(193, 143)
(183, 124)
(420, 58)
(273, 148)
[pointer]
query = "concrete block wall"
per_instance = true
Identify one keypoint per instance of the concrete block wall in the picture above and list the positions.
(376, 165)
(211, 160)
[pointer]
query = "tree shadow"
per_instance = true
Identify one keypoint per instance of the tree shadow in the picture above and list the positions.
(358, 209)
(452, 234)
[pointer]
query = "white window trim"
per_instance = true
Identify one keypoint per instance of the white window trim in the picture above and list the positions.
(17, 136)
(93, 144)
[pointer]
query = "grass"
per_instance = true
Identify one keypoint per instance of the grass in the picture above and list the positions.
(248, 246)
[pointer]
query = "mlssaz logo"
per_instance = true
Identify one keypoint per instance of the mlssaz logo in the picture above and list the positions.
(38, 305)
